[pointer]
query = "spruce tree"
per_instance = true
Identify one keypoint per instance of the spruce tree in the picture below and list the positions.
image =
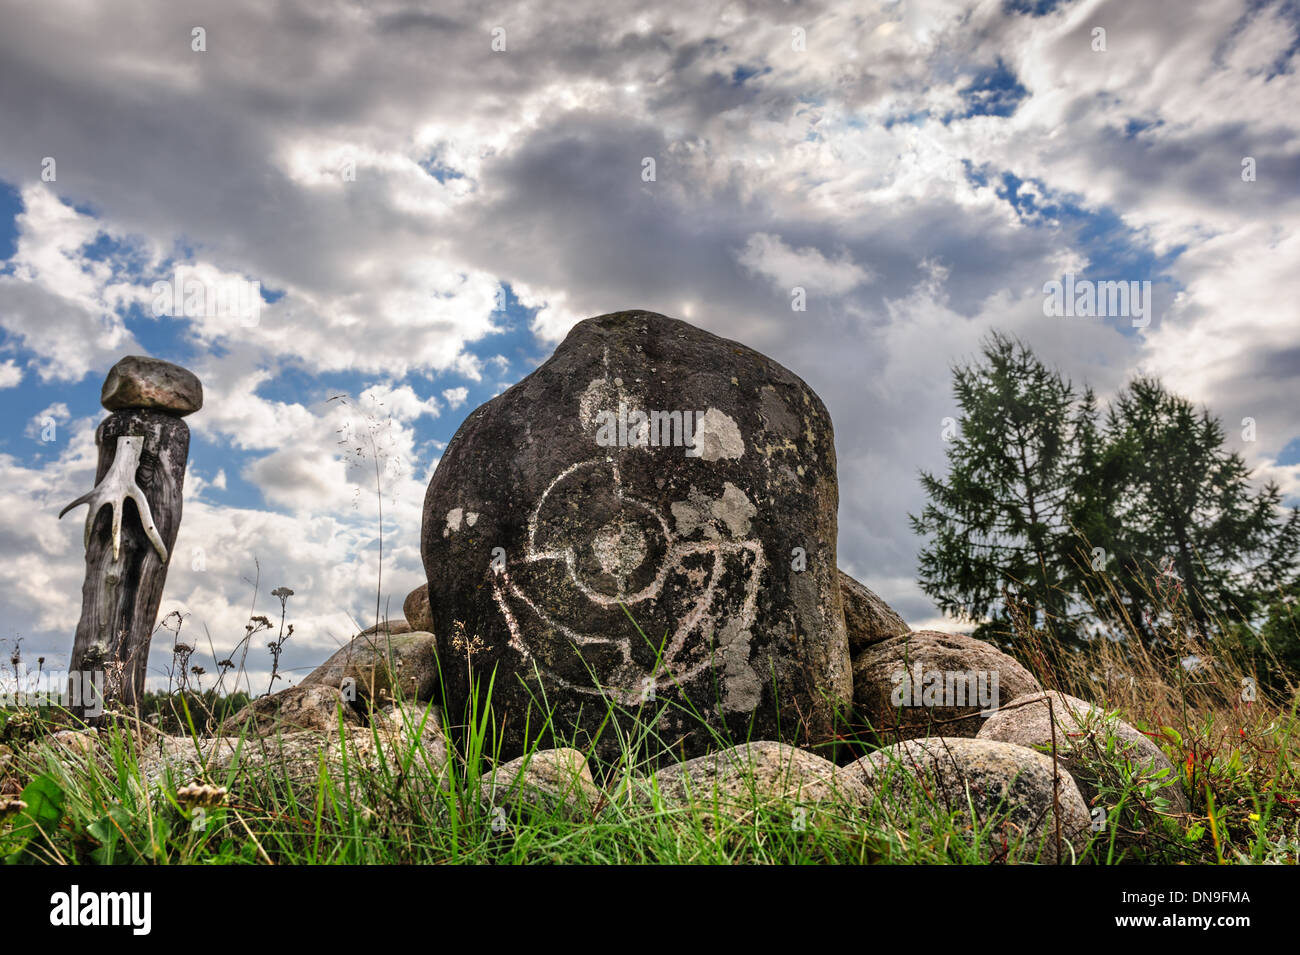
(1184, 516)
(1000, 521)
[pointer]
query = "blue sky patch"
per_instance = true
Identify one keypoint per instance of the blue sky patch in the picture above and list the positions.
(992, 92)
(742, 73)
(439, 170)
(1033, 8)
(11, 205)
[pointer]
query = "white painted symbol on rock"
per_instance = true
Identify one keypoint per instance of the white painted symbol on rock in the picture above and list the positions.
(630, 559)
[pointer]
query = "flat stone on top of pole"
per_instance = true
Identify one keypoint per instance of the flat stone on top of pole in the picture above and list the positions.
(151, 383)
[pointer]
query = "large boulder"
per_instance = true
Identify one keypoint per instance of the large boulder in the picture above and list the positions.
(382, 666)
(867, 618)
(924, 786)
(647, 521)
(928, 683)
(1087, 738)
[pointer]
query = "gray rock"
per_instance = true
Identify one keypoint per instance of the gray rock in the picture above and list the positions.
(893, 681)
(411, 736)
(1082, 737)
(867, 618)
(546, 517)
(402, 737)
(921, 783)
(387, 626)
(415, 608)
(184, 758)
(82, 742)
(737, 780)
(549, 779)
(297, 708)
(383, 666)
(151, 383)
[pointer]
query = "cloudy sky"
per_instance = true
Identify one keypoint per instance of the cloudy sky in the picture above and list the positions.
(430, 195)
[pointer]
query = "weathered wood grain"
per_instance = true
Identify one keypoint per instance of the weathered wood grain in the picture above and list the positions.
(120, 598)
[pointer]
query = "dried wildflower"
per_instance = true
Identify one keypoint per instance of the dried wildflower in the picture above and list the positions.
(201, 795)
(276, 646)
(466, 644)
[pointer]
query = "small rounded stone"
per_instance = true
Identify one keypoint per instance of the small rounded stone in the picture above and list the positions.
(416, 609)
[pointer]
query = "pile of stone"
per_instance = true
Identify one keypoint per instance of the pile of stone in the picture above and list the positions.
(644, 528)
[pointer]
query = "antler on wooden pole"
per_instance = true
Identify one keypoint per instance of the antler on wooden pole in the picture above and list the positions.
(143, 445)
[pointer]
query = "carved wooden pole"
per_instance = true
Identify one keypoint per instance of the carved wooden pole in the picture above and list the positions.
(143, 445)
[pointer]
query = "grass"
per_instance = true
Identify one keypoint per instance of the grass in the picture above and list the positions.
(420, 794)
(290, 807)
